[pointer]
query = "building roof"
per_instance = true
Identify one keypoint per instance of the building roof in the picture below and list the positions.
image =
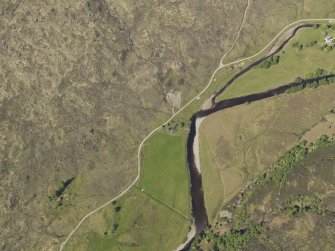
(329, 39)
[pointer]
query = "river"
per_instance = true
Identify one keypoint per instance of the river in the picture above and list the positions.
(198, 203)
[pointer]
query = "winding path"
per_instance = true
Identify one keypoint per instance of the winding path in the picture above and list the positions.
(221, 65)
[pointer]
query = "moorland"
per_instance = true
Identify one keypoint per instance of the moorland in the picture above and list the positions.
(83, 82)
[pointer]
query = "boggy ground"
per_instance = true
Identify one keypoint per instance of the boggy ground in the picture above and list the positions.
(307, 229)
(239, 143)
(289, 207)
(82, 82)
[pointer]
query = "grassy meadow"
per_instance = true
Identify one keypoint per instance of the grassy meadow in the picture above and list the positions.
(293, 63)
(210, 175)
(165, 173)
(135, 222)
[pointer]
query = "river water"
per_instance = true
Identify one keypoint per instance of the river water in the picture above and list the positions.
(198, 203)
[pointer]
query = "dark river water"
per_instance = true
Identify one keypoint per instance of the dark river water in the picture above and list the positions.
(198, 204)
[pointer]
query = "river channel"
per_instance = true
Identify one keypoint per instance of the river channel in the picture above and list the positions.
(198, 203)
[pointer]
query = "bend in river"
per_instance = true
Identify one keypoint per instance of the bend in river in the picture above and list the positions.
(198, 203)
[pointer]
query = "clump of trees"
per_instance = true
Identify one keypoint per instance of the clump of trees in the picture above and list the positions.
(317, 74)
(313, 85)
(57, 198)
(173, 126)
(324, 27)
(280, 169)
(234, 239)
(327, 47)
(298, 204)
(301, 151)
(321, 142)
(298, 46)
(273, 60)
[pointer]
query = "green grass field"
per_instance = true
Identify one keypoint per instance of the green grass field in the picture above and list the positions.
(293, 63)
(135, 222)
(146, 224)
(93, 241)
(164, 173)
(98, 242)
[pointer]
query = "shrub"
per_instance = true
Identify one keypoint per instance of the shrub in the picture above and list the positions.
(266, 64)
(295, 89)
(311, 43)
(319, 72)
(314, 84)
(295, 45)
(316, 26)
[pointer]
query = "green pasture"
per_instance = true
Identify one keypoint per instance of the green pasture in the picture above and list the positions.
(293, 63)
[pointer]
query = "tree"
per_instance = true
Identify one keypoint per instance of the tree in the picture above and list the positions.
(115, 227)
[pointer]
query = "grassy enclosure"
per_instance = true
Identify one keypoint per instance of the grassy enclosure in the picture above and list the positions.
(164, 172)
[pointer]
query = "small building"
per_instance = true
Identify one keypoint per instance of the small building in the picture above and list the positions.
(329, 39)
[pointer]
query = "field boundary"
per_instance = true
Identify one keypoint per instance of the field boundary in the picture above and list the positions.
(62, 245)
(165, 204)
